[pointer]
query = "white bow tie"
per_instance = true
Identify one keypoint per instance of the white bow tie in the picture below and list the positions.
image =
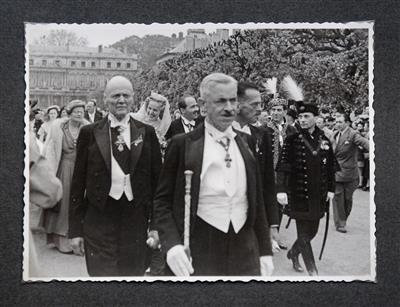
(124, 124)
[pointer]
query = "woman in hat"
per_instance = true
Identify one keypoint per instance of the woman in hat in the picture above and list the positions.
(60, 150)
(52, 113)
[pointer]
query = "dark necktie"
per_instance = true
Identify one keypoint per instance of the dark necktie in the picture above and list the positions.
(188, 125)
(120, 150)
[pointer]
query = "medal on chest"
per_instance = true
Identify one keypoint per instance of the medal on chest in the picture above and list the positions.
(225, 145)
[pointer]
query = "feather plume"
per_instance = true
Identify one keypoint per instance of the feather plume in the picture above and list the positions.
(292, 90)
(270, 85)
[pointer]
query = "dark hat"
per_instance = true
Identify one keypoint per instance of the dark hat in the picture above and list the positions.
(340, 109)
(292, 113)
(307, 107)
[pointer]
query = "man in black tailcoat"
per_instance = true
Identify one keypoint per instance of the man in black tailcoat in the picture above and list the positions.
(113, 185)
(187, 122)
(306, 182)
(91, 113)
(249, 99)
(229, 232)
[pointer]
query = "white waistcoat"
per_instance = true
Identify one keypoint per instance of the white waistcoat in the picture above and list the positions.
(222, 196)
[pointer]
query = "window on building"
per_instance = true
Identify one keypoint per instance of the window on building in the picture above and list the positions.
(108, 64)
(83, 64)
(128, 65)
(57, 62)
(44, 62)
(118, 65)
(73, 63)
(93, 64)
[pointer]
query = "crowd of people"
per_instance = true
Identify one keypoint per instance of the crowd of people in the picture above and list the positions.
(129, 207)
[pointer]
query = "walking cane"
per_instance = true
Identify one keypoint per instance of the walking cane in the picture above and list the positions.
(186, 233)
(326, 229)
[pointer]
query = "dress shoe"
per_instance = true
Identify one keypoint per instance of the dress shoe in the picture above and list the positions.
(295, 260)
(313, 272)
(341, 229)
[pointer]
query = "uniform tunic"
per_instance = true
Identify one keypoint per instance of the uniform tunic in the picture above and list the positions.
(306, 172)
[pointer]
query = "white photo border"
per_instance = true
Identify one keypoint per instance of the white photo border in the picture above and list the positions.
(369, 25)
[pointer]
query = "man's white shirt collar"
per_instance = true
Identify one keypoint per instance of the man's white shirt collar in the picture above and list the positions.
(216, 134)
(187, 122)
(114, 122)
(245, 128)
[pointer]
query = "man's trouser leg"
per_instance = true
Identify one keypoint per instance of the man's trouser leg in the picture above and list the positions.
(306, 231)
(349, 188)
(339, 213)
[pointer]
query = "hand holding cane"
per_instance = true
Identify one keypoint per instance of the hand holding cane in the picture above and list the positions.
(186, 233)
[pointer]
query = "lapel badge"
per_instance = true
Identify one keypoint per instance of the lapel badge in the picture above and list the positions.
(324, 145)
(324, 161)
(346, 142)
(138, 140)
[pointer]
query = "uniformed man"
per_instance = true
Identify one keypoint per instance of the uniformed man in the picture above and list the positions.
(279, 129)
(306, 182)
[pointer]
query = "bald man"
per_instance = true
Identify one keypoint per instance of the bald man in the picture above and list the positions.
(115, 176)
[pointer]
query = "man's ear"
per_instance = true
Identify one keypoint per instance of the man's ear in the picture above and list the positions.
(202, 103)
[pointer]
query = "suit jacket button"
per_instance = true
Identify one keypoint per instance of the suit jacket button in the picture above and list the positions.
(306, 196)
(305, 190)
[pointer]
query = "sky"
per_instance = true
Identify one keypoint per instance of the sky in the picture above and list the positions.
(107, 34)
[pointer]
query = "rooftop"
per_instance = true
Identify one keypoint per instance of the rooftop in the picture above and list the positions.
(79, 51)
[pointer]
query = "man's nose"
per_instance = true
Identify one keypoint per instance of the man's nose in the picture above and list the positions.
(229, 105)
(121, 99)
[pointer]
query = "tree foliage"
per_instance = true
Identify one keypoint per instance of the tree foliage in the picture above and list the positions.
(148, 48)
(331, 65)
(62, 38)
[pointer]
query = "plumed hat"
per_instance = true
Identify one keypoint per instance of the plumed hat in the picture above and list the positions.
(296, 97)
(271, 88)
(303, 107)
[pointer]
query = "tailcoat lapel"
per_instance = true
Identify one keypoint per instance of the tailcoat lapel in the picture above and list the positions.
(102, 136)
(250, 164)
(137, 139)
(194, 150)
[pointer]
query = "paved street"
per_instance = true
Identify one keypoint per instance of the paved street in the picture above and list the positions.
(345, 254)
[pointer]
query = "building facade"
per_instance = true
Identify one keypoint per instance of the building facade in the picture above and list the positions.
(58, 75)
(195, 38)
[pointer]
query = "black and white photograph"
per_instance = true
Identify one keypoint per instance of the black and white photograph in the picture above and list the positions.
(199, 152)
